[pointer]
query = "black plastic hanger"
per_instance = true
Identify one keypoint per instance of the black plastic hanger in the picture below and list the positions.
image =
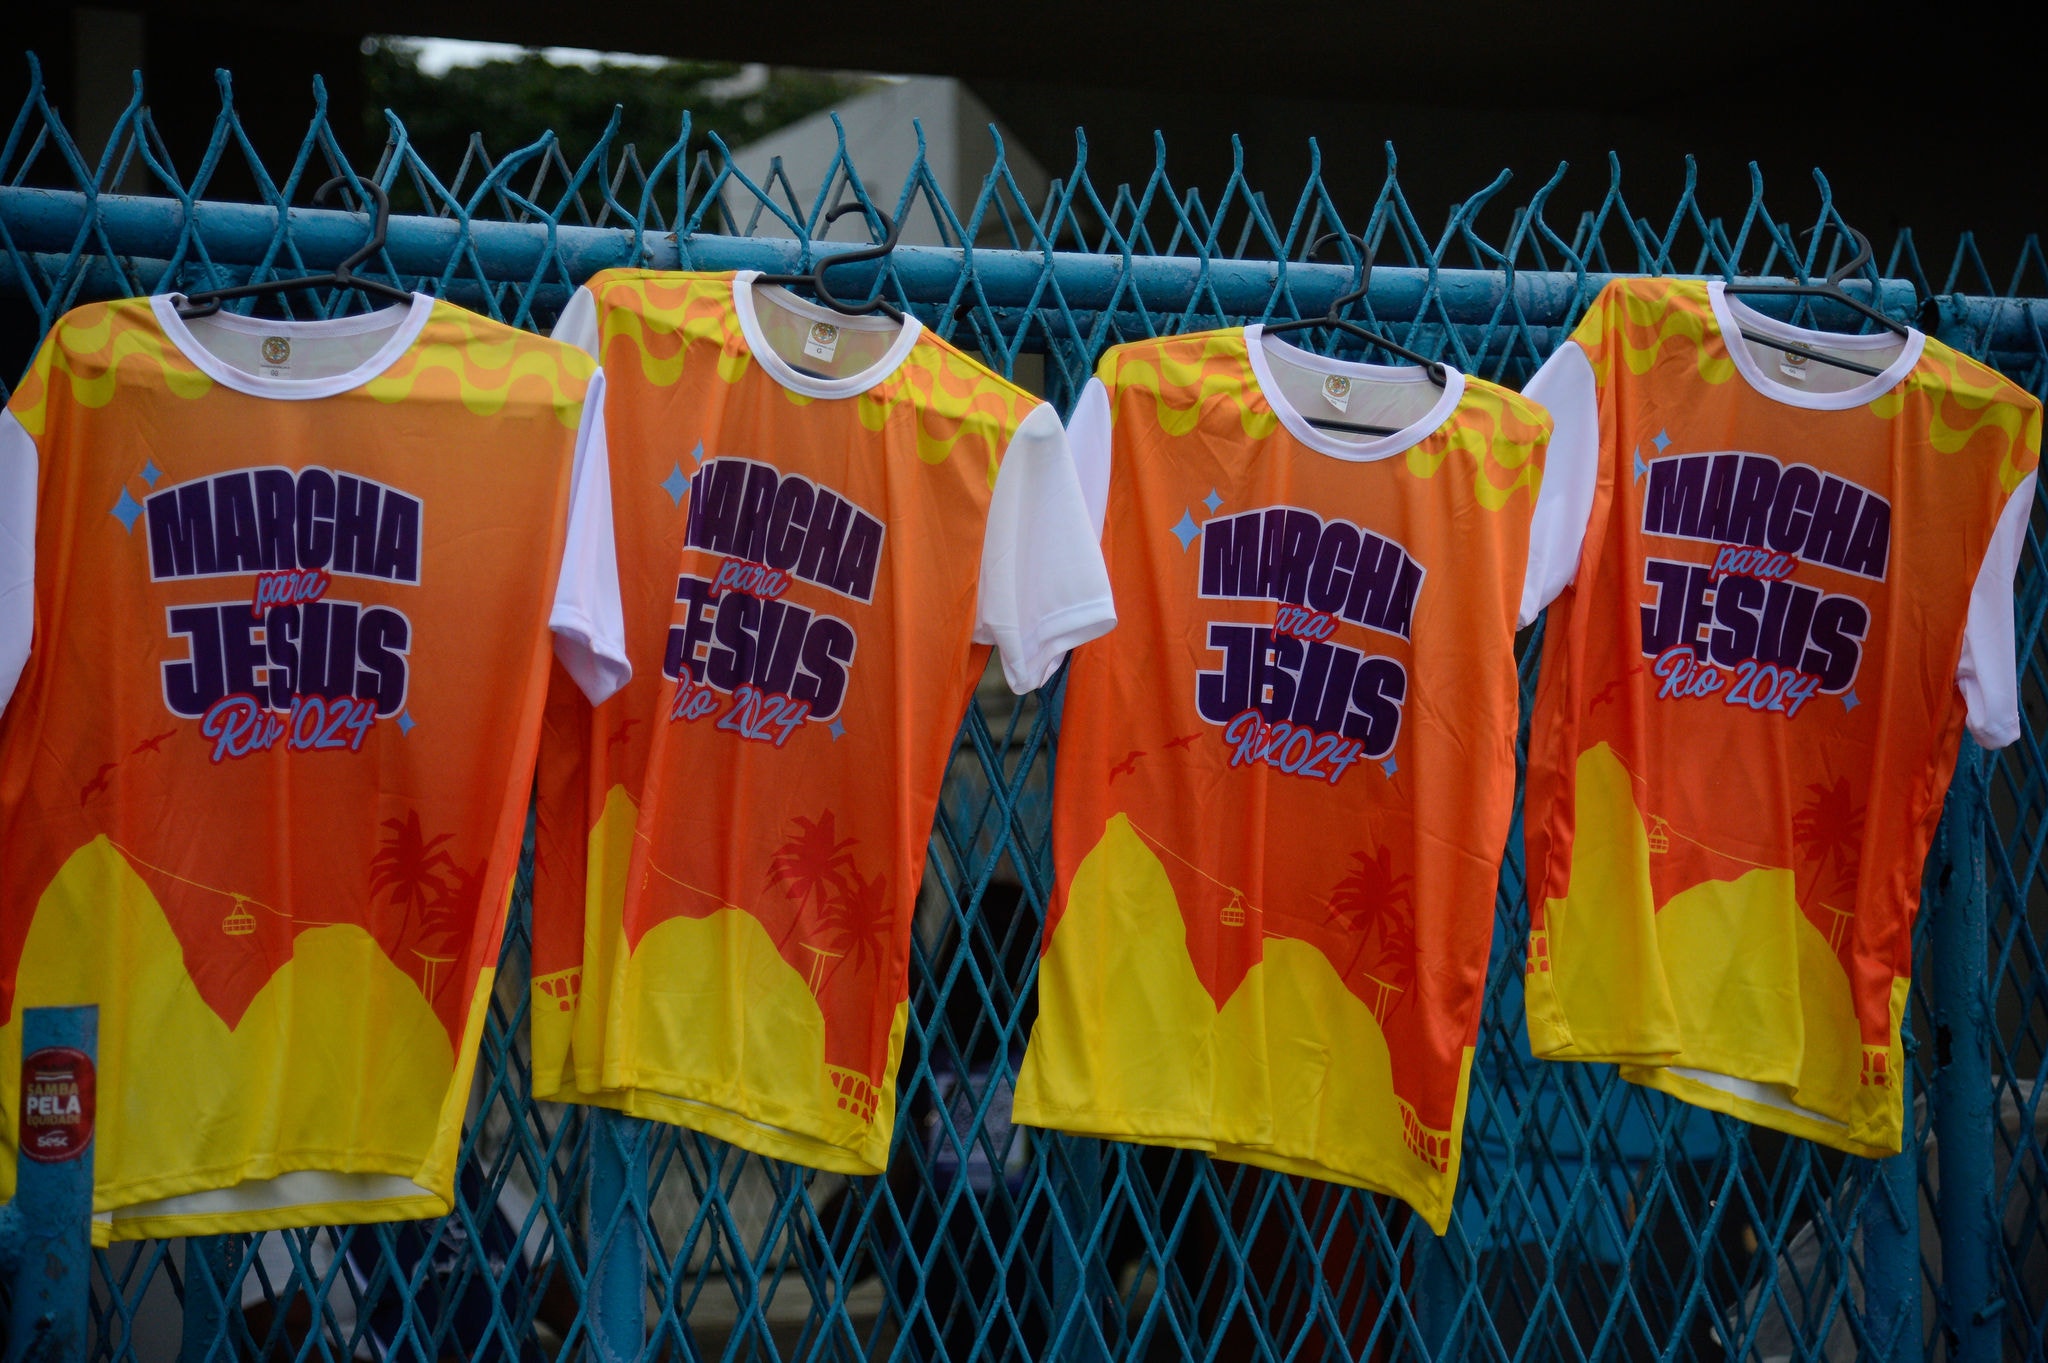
(1830, 288)
(207, 302)
(815, 280)
(1332, 320)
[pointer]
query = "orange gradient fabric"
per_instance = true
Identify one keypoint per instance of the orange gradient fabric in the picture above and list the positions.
(849, 546)
(263, 779)
(1285, 781)
(1792, 597)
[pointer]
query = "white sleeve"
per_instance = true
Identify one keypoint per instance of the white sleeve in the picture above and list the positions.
(577, 326)
(17, 551)
(588, 620)
(1088, 436)
(1989, 671)
(1571, 471)
(1044, 588)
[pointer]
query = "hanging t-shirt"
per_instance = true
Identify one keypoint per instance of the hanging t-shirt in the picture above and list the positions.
(1285, 782)
(669, 333)
(1797, 590)
(867, 511)
(275, 609)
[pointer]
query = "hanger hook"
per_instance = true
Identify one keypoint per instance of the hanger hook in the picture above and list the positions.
(891, 230)
(1365, 256)
(380, 220)
(1857, 262)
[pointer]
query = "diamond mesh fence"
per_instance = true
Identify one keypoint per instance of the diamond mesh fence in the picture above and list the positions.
(1597, 1220)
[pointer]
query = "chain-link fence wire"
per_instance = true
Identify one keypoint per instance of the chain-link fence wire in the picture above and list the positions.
(1597, 1220)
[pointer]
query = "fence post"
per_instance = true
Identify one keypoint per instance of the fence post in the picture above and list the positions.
(1434, 1292)
(618, 1206)
(206, 1305)
(1961, 1005)
(1891, 1243)
(46, 1231)
(1078, 1188)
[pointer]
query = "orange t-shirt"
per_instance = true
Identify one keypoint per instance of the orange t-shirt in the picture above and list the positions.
(1797, 589)
(1285, 782)
(275, 609)
(865, 511)
(667, 334)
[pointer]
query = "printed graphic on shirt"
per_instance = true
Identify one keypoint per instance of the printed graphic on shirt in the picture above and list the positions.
(1747, 711)
(815, 647)
(1289, 695)
(229, 819)
(1270, 929)
(783, 664)
(1739, 630)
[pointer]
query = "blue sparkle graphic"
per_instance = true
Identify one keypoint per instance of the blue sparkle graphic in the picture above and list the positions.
(126, 510)
(697, 454)
(1212, 501)
(1662, 442)
(1641, 467)
(675, 485)
(406, 721)
(150, 472)
(1390, 766)
(1187, 531)
(838, 731)
(1849, 701)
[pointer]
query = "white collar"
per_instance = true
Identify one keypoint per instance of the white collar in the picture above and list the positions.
(410, 318)
(1734, 317)
(1326, 442)
(786, 374)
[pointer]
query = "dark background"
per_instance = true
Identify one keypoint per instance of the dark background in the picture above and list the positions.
(1929, 119)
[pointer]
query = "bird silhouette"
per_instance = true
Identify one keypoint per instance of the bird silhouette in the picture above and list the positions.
(1128, 765)
(619, 734)
(1608, 692)
(97, 784)
(1184, 741)
(153, 744)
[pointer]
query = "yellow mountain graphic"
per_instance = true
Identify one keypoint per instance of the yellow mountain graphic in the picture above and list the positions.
(1292, 1073)
(1727, 997)
(715, 992)
(338, 1065)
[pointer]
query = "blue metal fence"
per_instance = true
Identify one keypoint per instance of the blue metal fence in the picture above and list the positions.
(1597, 1220)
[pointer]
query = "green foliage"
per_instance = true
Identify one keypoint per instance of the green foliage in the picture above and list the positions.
(513, 102)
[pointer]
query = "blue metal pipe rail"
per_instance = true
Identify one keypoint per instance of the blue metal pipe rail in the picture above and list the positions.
(56, 223)
(1597, 1221)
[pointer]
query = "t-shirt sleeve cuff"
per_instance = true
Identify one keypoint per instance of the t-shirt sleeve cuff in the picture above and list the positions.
(1032, 662)
(598, 664)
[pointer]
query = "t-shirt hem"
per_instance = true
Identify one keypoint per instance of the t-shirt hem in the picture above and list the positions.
(1144, 1128)
(1836, 1134)
(775, 1140)
(1609, 1050)
(170, 1225)
(112, 1199)
(1152, 1128)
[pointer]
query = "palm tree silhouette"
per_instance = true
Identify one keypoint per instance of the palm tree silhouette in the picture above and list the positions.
(1829, 830)
(813, 861)
(453, 906)
(408, 864)
(855, 918)
(1377, 904)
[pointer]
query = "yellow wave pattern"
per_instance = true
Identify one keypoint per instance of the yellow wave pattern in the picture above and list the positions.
(1968, 402)
(1633, 321)
(94, 348)
(1499, 432)
(486, 364)
(1190, 378)
(960, 405)
(661, 314)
